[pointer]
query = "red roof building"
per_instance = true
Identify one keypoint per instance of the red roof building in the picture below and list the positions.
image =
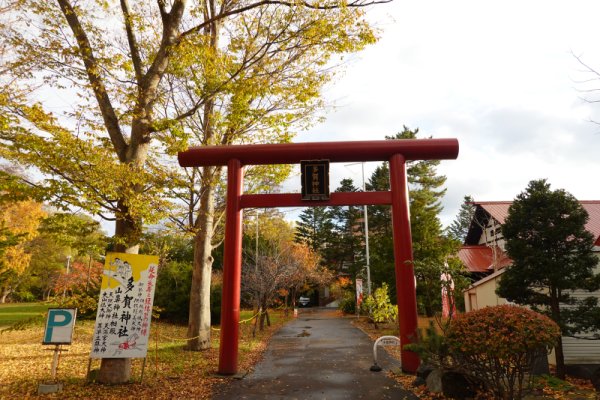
(483, 259)
(483, 251)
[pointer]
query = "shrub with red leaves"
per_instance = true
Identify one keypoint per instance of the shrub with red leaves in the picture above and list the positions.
(498, 345)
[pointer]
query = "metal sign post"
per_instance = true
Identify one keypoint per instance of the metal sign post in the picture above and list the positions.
(58, 331)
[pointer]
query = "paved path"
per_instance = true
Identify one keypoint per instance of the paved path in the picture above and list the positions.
(317, 356)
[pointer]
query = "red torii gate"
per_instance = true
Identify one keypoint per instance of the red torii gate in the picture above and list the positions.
(397, 152)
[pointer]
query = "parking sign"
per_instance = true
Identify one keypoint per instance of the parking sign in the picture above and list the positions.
(59, 326)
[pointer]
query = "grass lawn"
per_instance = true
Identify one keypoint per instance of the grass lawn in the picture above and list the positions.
(15, 312)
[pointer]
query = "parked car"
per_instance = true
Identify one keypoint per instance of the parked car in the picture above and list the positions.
(304, 301)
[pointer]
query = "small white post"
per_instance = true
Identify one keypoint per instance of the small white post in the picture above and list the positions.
(55, 362)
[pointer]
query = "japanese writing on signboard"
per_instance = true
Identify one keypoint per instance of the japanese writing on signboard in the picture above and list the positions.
(125, 306)
(315, 179)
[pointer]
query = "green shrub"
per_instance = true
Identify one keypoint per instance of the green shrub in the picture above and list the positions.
(215, 302)
(379, 307)
(347, 303)
(172, 293)
(432, 348)
(498, 345)
(86, 305)
(24, 296)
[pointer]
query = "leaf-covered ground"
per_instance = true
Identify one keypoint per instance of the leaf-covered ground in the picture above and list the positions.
(544, 388)
(170, 371)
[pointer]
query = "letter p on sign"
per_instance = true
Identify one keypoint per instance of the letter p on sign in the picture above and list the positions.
(59, 326)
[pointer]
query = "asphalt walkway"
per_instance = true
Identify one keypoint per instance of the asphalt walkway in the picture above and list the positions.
(321, 356)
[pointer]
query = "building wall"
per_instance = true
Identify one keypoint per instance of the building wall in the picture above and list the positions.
(483, 293)
(583, 351)
(492, 234)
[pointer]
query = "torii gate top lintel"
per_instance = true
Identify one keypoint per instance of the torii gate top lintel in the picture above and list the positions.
(293, 153)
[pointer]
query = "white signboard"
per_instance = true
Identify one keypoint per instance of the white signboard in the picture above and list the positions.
(125, 306)
(59, 326)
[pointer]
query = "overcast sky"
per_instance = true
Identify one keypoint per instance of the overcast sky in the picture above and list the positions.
(500, 76)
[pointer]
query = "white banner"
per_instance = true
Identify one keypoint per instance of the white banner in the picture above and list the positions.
(359, 292)
(125, 306)
(448, 306)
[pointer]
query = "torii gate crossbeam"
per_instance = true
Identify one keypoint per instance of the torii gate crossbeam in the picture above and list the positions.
(397, 152)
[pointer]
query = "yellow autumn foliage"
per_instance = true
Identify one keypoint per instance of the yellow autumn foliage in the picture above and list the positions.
(20, 218)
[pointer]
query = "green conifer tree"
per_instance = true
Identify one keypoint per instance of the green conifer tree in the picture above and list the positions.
(459, 228)
(552, 255)
(431, 248)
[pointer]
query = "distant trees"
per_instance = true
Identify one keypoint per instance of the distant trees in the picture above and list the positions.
(19, 222)
(335, 233)
(176, 255)
(80, 241)
(315, 229)
(381, 239)
(552, 255)
(459, 228)
(35, 249)
(346, 253)
(275, 266)
(433, 252)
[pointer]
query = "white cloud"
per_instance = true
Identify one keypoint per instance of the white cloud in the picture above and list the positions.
(499, 76)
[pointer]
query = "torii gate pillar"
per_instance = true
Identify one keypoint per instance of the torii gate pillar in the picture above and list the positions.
(232, 271)
(406, 295)
(397, 152)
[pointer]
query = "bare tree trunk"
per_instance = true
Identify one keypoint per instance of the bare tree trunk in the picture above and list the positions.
(264, 316)
(268, 317)
(256, 321)
(558, 349)
(261, 325)
(560, 360)
(89, 272)
(198, 332)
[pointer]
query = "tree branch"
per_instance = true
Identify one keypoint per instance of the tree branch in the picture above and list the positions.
(223, 15)
(162, 8)
(133, 46)
(92, 69)
(151, 79)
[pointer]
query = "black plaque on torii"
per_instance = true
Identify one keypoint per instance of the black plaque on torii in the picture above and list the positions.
(315, 179)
